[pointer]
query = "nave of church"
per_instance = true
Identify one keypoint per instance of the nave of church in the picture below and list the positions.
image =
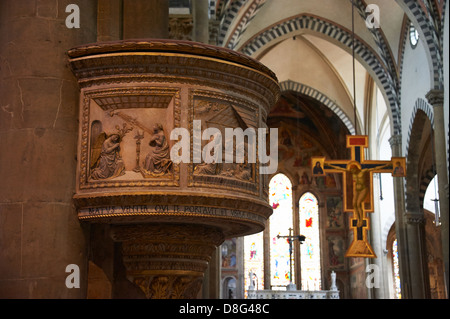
(116, 177)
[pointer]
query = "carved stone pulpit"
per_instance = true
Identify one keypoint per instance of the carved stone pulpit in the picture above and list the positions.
(169, 216)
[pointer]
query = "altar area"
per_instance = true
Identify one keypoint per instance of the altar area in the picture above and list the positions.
(291, 292)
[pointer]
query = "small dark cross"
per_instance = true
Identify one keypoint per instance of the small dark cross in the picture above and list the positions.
(290, 240)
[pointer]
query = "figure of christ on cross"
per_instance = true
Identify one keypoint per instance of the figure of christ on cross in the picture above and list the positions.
(358, 188)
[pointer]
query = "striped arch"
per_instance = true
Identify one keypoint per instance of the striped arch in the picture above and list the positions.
(242, 25)
(228, 16)
(415, 195)
(422, 105)
(424, 183)
(322, 98)
(432, 38)
(388, 225)
(404, 40)
(212, 9)
(384, 50)
(343, 36)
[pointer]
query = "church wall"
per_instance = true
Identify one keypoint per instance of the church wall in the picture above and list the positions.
(40, 233)
(415, 84)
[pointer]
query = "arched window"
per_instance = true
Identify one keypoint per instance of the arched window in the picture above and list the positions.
(254, 261)
(310, 249)
(395, 266)
(413, 36)
(280, 198)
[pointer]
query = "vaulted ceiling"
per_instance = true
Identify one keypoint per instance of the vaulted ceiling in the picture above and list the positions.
(310, 43)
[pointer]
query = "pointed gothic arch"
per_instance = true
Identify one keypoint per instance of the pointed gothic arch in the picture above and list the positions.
(340, 36)
(310, 255)
(417, 163)
(432, 38)
(423, 106)
(304, 89)
(282, 219)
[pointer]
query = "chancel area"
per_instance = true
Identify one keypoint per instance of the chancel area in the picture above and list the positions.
(224, 149)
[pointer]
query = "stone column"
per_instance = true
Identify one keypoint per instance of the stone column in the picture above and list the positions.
(39, 99)
(410, 237)
(109, 21)
(201, 21)
(145, 19)
(376, 240)
(436, 98)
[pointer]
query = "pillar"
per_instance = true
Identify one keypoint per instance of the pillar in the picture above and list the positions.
(211, 283)
(376, 240)
(201, 21)
(436, 98)
(145, 19)
(109, 22)
(409, 229)
(40, 231)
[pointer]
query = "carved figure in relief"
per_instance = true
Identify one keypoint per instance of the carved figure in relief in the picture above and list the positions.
(157, 162)
(107, 161)
(207, 168)
(244, 171)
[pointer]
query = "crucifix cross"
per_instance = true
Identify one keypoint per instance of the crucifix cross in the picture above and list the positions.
(358, 188)
(290, 239)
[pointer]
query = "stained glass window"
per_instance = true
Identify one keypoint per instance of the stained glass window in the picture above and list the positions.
(280, 198)
(395, 264)
(254, 261)
(310, 249)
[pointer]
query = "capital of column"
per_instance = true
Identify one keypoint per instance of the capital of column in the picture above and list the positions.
(414, 219)
(395, 140)
(435, 97)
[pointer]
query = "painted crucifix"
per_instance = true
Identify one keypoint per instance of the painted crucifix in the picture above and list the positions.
(358, 188)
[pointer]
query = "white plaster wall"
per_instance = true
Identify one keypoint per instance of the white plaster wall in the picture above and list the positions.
(416, 83)
(342, 63)
(391, 20)
(296, 60)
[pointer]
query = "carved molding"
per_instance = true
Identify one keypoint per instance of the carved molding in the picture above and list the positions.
(169, 287)
(113, 100)
(435, 98)
(395, 140)
(162, 45)
(415, 219)
(174, 62)
(177, 232)
(167, 260)
(180, 27)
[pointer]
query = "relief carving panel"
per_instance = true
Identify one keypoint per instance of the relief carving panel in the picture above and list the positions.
(124, 143)
(221, 112)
